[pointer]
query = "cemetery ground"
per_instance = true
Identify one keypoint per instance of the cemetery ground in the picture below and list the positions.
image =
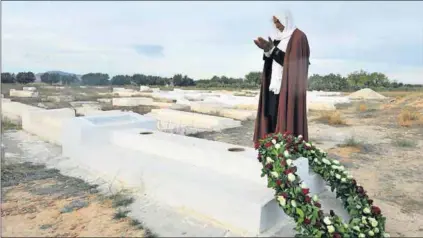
(380, 142)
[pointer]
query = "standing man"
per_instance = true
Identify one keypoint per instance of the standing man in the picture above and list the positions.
(282, 101)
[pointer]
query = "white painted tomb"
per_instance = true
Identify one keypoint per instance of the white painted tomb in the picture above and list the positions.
(194, 175)
(32, 89)
(187, 122)
(14, 110)
(22, 93)
(131, 101)
(223, 111)
(47, 124)
(94, 130)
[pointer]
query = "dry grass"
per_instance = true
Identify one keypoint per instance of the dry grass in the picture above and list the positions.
(409, 117)
(362, 107)
(332, 118)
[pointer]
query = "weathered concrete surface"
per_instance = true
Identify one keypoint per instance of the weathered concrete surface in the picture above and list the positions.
(22, 93)
(14, 110)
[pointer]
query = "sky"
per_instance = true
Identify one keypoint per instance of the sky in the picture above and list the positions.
(202, 39)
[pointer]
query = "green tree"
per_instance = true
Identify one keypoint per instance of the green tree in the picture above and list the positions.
(51, 78)
(121, 80)
(95, 79)
(8, 78)
(25, 77)
(253, 78)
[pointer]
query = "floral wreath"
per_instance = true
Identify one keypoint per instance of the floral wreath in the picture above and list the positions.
(276, 152)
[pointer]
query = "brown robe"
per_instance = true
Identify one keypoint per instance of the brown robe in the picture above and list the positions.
(292, 110)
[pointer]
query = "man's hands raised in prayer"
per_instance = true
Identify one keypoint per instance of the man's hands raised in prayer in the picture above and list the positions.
(264, 44)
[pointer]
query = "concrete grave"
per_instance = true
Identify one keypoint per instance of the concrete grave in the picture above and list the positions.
(47, 124)
(131, 101)
(187, 122)
(14, 110)
(23, 93)
(32, 89)
(223, 110)
(94, 130)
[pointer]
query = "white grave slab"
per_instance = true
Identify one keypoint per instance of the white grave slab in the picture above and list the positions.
(14, 110)
(22, 93)
(188, 122)
(32, 89)
(94, 130)
(47, 124)
(131, 101)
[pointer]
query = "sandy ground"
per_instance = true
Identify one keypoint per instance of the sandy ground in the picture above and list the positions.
(41, 202)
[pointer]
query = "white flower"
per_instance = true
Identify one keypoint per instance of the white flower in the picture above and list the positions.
(274, 174)
(288, 162)
(293, 203)
(356, 228)
(277, 146)
(349, 176)
(376, 230)
(327, 221)
(338, 176)
(341, 168)
(282, 201)
(291, 177)
(373, 222)
(308, 144)
(371, 233)
(386, 235)
(300, 137)
(334, 167)
(269, 160)
(312, 152)
(303, 185)
(274, 141)
(315, 198)
(366, 210)
(325, 161)
(343, 180)
(361, 235)
(331, 229)
(286, 154)
(335, 161)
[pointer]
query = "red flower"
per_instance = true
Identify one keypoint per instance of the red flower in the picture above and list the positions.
(256, 145)
(268, 144)
(283, 163)
(376, 210)
(286, 134)
(307, 221)
(278, 182)
(360, 190)
(370, 201)
(275, 137)
(336, 235)
(317, 224)
(305, 191)
(269, 166)
(317, 204)
(294, 169)
(284, 195)
(259, 158)
(287, 171)
(307, 199)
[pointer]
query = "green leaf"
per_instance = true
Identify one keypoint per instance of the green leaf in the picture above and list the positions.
(300, 212)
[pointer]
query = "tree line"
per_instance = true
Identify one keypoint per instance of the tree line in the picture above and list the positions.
(330, 82)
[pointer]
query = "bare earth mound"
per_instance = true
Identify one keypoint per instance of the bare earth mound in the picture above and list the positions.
(366, 93)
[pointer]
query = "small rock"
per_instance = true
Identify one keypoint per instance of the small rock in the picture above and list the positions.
(74, 205)
(45, 226)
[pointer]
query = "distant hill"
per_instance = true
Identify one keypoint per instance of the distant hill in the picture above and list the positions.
(38, 76)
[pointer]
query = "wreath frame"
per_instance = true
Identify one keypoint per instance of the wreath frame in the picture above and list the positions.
(276, 153)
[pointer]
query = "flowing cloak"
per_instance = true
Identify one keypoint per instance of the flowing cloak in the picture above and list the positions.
(292, 108)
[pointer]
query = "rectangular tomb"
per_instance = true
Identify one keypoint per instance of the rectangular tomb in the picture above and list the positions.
(47, 124)
(94, 130)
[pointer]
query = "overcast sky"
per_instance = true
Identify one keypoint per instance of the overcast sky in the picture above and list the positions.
(202, 39)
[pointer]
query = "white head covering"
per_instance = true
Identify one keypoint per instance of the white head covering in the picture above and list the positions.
(288, 22)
